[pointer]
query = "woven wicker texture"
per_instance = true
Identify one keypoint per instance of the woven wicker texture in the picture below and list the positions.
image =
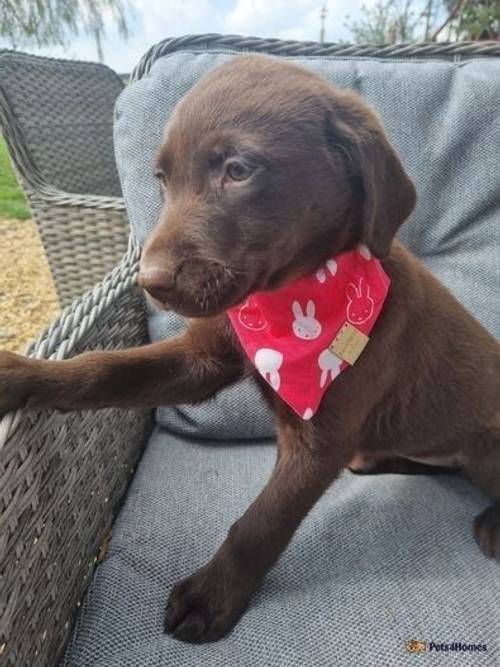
(80, 242)
(279, 47)
(62, 477)
(57, 119)
(65, 111)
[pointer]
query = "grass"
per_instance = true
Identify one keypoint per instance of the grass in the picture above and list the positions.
(12, 201)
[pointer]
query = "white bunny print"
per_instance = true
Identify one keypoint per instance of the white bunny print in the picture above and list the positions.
(331, 266)
(306, 326)
(268, 362)
(360, 307)
(251, 317)
(329, 363)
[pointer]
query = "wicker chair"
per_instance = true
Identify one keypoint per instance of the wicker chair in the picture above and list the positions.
(63, 476)
(57, 119)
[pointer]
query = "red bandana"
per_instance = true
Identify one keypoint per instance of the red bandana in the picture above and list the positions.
(302, 336)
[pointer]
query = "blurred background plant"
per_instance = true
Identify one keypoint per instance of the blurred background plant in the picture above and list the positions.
(478, 19)
(55, 22)
(45, 23)
(393, 21)
(12, 201)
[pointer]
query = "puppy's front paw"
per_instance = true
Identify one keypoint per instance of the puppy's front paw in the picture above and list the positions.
(487, 531)
(15, 379)
(205, 606)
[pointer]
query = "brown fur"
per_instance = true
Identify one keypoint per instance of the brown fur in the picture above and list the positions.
(270, 171)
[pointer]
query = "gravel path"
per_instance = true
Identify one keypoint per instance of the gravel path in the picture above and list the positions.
(28, 300)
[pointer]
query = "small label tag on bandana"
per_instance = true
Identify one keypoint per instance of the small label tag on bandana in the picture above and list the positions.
(348, 343)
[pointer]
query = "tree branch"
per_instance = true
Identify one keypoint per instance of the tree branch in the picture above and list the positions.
(458, 8)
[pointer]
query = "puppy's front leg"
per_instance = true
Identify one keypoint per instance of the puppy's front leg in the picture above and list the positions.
(184, 369)
(206, 605)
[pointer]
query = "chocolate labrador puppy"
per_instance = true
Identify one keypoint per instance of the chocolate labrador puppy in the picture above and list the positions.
(268, 171)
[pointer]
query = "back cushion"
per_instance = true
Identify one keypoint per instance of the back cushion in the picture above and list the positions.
(444, 121)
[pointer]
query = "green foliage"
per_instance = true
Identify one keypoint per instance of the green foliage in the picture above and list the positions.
(12, 201)
(48, 22)
(479, 19)
(392, 21)
(384, 22)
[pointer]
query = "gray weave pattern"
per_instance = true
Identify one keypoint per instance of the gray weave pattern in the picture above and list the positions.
(274, 46)
(380, 560)
(443, 120)
(65, 111)
(63, 476)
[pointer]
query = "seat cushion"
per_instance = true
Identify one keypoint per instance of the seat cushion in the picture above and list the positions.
(379, 561)
(443, 119)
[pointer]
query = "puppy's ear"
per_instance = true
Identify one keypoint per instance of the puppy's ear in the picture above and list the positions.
(388, 193)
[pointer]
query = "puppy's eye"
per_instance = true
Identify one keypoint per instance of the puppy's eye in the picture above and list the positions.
(237, 171)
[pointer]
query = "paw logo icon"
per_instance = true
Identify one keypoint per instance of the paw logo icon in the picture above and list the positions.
(416, 646)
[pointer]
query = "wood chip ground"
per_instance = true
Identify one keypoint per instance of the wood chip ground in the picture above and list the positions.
(28, 300)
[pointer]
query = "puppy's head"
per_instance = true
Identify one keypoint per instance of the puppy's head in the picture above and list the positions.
(266, 171)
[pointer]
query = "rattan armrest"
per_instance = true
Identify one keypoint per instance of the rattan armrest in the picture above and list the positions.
(63, 477)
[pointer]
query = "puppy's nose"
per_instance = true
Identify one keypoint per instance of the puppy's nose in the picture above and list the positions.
(157, 282)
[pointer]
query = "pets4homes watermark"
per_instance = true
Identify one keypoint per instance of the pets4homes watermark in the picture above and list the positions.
(419, 646)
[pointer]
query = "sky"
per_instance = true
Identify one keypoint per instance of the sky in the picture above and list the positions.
(150, 21)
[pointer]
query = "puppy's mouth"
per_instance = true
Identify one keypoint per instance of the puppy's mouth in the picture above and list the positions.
(196, 289)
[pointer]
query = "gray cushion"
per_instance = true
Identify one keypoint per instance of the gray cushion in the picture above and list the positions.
(444, 122)
(380, 560)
